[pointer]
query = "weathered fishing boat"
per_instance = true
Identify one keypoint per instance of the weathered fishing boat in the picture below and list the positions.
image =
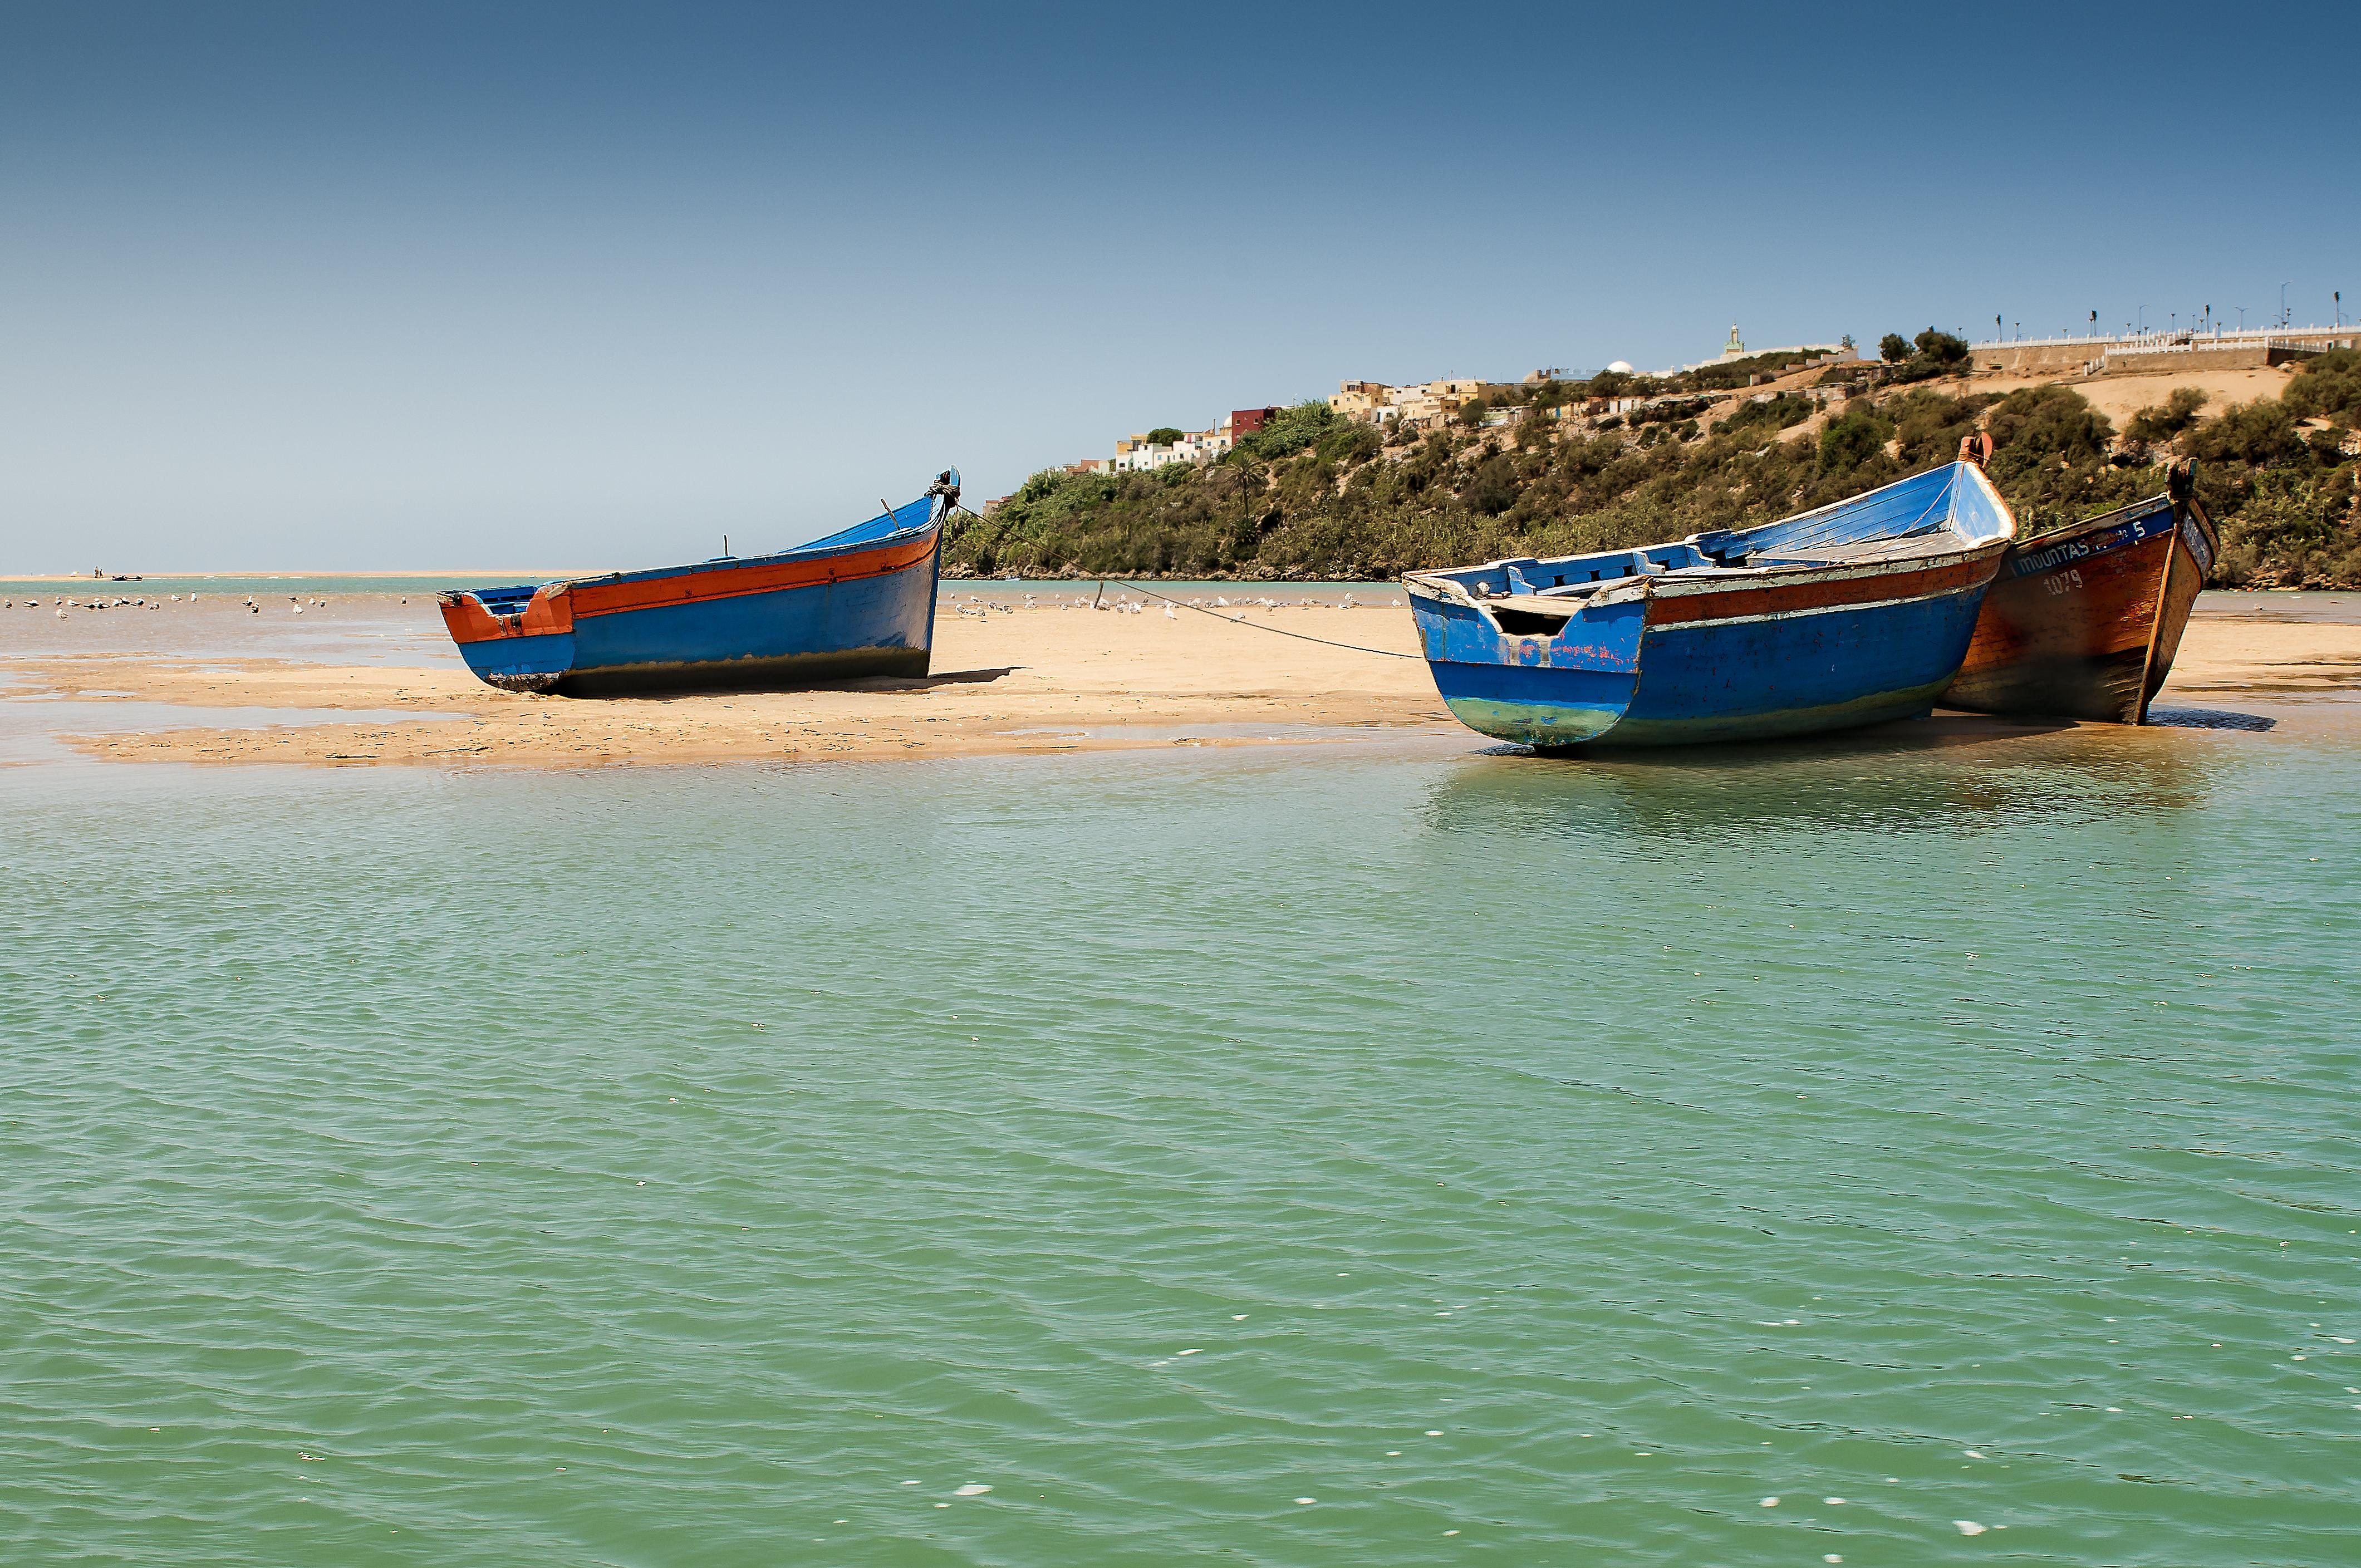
(2083, 622)
(1852, 614)
(859, 602)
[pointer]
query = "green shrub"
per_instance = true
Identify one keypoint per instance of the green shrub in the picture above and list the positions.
(1346, 443)
(1928, 424)
(1852, 439)
(1494, 489)
(1765, 417)
(1290, 429)
(2328, 386)
(2259, 432)
(2054, 425)
(1164, 435)
(1939, 348)
(1670, 413)
(2180, 411)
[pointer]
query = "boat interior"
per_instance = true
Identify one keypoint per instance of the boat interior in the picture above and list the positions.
(1943, 509)
(504, 601)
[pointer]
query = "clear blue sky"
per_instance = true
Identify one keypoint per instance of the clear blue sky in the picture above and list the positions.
(352, 287)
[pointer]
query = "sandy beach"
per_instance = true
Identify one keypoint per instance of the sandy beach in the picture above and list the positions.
(1007, 680)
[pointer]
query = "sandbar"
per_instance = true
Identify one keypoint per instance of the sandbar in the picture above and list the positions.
(1006, 681)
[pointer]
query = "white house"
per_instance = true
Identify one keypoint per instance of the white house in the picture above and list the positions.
(1137, 454)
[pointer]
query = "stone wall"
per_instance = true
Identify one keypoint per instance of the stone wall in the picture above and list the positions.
(2116, 356)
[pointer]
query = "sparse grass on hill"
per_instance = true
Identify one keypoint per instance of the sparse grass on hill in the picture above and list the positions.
(1312, 496)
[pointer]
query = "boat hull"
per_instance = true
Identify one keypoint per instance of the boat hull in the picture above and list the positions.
(800, 618)
(2084, 623)
(1801, 653)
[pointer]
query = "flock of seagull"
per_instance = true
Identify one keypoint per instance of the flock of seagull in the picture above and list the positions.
(65, 606)
(1122, 604)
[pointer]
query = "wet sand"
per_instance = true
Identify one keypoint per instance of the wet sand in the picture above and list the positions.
(1006, 681)
(367, 683)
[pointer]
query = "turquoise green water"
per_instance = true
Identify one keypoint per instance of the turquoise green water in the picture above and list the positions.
(1307, 1157)
(273, 588)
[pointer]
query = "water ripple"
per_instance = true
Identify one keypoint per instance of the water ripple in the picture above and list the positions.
(674, 1166)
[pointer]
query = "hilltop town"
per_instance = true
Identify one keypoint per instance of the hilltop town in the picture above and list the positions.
(1377, 478)
(1429, 405)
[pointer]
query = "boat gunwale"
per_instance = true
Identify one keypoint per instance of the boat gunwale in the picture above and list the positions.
(817, 550)
(2140, 507)
(811, 552)
(1709, 580)
(1435, 584)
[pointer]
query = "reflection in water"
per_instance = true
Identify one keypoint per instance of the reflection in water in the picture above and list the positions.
(2207, 718)
(730, 1177)
(1940, 776)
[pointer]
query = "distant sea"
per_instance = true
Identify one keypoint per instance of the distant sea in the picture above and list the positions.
(1387, 1154)
(332, 587)
(239, 584)
(2270, 605)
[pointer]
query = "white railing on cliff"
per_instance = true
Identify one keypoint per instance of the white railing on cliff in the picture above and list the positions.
(2255, 337)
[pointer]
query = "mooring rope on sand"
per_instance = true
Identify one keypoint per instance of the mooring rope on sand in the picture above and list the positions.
(1255, 625)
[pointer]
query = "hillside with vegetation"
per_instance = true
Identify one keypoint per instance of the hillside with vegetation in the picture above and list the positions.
(1312, 496)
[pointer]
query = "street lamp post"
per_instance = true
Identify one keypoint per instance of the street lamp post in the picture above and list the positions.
(2283, 307)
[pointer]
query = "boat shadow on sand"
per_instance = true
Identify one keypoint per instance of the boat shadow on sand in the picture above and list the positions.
(924, 683)
(2207, 718)
(849, 684)
(1953, 772)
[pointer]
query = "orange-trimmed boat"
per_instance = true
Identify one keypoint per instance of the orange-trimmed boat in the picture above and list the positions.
(859, 602)
(2083, 620)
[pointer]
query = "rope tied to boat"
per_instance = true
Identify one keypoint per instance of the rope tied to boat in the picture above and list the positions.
(1256, 625)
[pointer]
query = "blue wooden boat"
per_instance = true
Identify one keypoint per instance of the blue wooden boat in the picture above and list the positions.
(859, 602)
(1852, 614)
